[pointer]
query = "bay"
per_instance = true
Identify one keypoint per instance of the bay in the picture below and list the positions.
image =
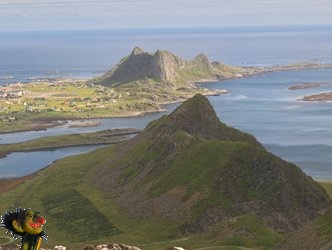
(138, 122)
(24, 163)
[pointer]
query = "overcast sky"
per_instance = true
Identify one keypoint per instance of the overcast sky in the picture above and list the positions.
(117, 14)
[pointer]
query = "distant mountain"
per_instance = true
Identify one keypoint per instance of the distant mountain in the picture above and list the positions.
(163, 66)
(192, 169)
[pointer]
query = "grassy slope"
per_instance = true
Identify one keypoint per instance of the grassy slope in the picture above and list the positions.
(328, 187)
(325, 223)
(78, 214)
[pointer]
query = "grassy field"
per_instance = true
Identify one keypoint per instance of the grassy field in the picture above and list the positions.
(60, 141)
(45, 102)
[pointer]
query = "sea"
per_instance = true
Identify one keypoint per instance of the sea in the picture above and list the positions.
(294, 130)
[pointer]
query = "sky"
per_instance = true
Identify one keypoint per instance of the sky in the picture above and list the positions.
(119, 14)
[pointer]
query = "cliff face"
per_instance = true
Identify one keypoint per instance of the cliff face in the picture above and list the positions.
(162, 66)
(192, 169)
(165, 65)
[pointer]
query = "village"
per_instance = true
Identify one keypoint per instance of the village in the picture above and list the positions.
(63, 95)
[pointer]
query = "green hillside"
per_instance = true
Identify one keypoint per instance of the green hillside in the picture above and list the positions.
(187, 180)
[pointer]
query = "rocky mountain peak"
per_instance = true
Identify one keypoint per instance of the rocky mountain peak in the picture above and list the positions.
(165, 65)
(162, 66)
(196, 116)
(137, 51)
(202, 58)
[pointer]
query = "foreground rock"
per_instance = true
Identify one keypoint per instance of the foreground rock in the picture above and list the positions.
(111, 247)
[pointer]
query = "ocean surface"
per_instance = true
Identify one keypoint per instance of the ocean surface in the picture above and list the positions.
(297, 131)
(82, 54)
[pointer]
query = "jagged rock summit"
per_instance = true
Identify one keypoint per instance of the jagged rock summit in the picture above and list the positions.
(192, 169)
(163, 66)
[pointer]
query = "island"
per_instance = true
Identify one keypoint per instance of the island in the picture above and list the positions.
(322, 97)
(308, 85)
(140, 83)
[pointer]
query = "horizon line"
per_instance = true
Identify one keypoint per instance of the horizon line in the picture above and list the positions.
(165, 28)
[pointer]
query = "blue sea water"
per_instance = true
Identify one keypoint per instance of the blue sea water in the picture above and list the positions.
(295, 130)
(87, 53)
(263, 105)
(25, 163)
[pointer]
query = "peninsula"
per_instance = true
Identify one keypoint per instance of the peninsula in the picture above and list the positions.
(140, 83)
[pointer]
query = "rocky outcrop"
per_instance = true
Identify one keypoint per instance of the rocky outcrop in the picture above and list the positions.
(163, 66)
(323, 97)
(175, 248)
(110, 247)
(60, 248)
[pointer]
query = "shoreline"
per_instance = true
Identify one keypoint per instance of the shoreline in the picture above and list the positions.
(250, 71)
(12, 182)
(115, 136)
(44, 124)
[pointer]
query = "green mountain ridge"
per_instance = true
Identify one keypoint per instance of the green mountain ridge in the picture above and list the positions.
(192, 168)
(187, 178)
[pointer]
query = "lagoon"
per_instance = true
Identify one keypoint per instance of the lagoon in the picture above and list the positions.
(138, 122)
(24, 163)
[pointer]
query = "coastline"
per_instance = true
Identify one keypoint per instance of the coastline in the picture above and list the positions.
(136, 114)
(250, 71)
(112, 136)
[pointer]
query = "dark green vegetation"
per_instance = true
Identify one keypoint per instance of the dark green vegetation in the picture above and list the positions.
(188, 180)
(63, 206)
(315, 235)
